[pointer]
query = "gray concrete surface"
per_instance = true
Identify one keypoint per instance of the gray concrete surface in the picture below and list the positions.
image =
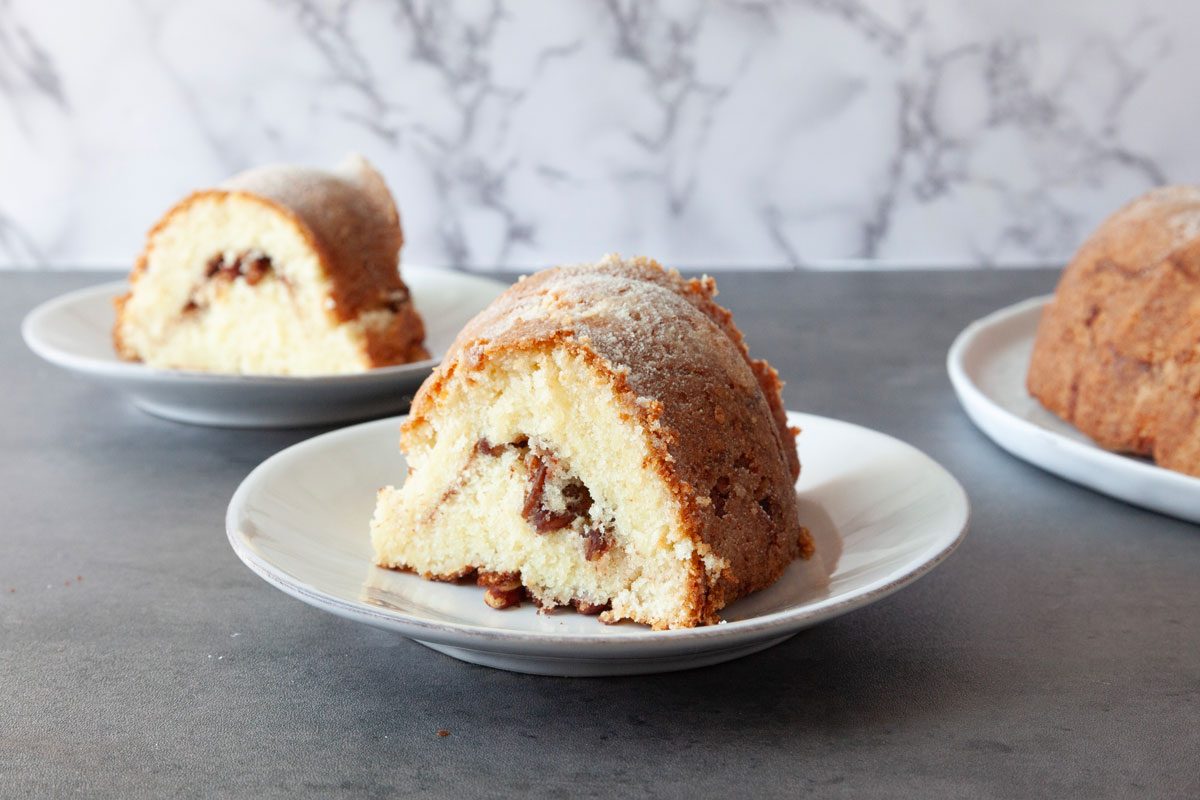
(1056, 654)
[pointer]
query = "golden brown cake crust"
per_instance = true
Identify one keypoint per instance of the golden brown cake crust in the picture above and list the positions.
(349, 219)
(1117, 352)
(714, 416)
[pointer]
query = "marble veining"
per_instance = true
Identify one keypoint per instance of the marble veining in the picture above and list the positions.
(820, 133)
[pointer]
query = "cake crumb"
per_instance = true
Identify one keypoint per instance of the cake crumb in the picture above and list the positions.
(443, 733)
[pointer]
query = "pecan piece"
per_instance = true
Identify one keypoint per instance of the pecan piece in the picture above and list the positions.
(484, 447)
(596, 542)
(245, 265)
(256, 270)
(577, 498)
(590, 609)
(214, 265)
(535, 512)
(500, 599)
(504, 589)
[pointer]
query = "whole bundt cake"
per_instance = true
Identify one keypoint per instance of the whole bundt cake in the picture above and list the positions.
(1118, 348)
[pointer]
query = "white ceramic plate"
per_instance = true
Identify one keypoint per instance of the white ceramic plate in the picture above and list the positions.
(74, 332)
(882, 514)
(987, 365)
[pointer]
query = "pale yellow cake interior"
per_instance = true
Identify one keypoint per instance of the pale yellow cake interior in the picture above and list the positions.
(281, 325)
(461, 507)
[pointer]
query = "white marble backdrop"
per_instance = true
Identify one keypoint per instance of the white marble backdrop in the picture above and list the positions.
(749, 132)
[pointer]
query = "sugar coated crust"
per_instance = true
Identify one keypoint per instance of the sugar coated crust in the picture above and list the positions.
(714, 417)
(1117, 352)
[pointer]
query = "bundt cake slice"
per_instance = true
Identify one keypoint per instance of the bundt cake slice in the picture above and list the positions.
(599, 437)
(1117, 352)
(282, 270)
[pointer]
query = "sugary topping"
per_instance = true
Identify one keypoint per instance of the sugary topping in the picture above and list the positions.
(633, 313)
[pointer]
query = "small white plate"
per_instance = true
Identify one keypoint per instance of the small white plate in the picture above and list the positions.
(988, 363)
(75, 332)
(882, 514)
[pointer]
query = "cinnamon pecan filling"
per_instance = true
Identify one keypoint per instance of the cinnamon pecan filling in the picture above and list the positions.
(576, 499)
(554, 499)
(250, 266)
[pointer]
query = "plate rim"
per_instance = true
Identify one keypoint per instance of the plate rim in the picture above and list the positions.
(973, 398)
(778, 623)
(136, 371)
